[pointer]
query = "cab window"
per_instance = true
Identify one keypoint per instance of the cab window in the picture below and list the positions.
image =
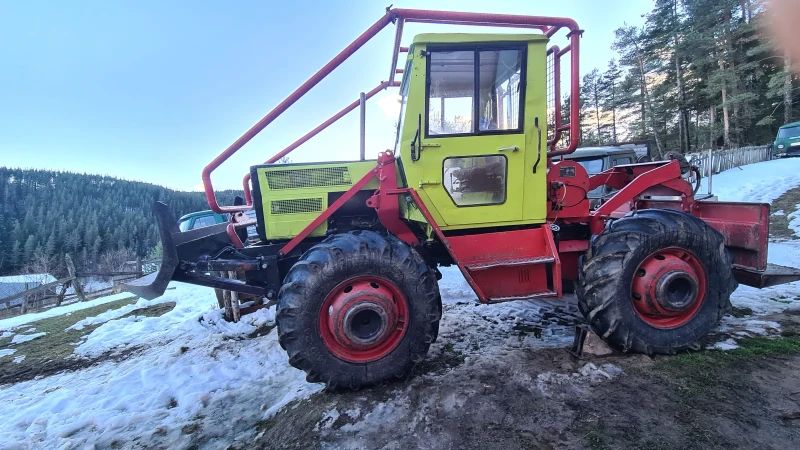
(476, 180)
(475, 91)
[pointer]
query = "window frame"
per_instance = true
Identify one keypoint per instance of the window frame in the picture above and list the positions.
(505, 185)
(477, 49)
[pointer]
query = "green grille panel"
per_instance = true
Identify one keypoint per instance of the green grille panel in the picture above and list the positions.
(296, 206)
(308, 178)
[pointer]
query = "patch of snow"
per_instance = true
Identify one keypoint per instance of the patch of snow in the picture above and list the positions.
(7, 351)
(18, 359)
(382, 413)
(6, 334)
(328, 419)
(112, 314)
(779, 213)
(762, 182)
(192, 369)
(12, 322)
(727, 344)
(20, 338)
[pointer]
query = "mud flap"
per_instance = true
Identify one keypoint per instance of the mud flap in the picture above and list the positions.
(155, 284)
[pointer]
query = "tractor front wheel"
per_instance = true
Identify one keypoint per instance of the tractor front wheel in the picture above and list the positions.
(655, 281)
(358, 309)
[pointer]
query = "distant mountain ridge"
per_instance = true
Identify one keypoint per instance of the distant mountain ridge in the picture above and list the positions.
(45, 213)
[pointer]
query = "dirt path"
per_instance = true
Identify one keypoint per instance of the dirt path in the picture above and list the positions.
(544, 398)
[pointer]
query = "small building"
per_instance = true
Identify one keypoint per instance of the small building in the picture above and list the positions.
(14, 284)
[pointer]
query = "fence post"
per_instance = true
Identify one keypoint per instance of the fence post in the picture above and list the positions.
(75, 283)
(139, 272)
(61, 294)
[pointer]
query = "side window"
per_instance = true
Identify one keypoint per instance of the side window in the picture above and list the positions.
(452, 88)
(500, 73)
(206, 221)
(475, 91)
(476, 180)
(621, 161)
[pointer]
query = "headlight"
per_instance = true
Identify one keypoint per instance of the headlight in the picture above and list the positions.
(780, 146)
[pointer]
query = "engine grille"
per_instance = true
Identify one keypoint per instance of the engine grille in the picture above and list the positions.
(296, 206)
(307, 178)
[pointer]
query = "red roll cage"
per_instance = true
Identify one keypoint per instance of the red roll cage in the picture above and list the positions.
(548, 25)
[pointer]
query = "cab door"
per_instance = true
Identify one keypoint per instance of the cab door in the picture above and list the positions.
(471, 141)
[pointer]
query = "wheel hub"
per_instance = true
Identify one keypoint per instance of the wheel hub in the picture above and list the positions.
(363, 319)
(668, 287)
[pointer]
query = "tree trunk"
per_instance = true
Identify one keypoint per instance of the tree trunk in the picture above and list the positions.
(683, 117)
(711, 134)
(613, 113)
(648, 103)
(787, 88)
(726, 134)
(597, 113)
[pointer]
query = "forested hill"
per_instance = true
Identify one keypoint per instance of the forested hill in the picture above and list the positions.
(44, 214)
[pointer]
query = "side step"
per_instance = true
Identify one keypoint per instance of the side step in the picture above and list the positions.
(509, 265)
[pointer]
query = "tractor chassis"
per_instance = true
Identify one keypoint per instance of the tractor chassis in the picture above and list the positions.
(190, 256)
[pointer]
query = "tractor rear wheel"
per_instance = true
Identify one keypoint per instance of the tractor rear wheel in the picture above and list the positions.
(655, 281)
(358, 309)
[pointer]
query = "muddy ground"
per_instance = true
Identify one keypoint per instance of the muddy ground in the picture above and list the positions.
(53, 353)
(747, 398)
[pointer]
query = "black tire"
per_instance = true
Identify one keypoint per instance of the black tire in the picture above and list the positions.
(326, 265)
(607, 269)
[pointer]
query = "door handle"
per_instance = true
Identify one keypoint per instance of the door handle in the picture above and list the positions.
(508, 149)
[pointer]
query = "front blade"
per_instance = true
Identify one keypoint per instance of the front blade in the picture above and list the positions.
(155, 284)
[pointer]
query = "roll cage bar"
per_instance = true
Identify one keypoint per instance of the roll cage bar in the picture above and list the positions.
(547, 25)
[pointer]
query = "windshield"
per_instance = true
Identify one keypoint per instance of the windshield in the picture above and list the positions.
(184, 225)
(789, 132)
(593, 166)
(403, 101)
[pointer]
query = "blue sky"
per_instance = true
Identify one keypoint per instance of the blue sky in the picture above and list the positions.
(153, 90)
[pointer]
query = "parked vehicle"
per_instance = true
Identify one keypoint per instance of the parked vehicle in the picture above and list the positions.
(599, 159)
(350, 250)
(787, 142)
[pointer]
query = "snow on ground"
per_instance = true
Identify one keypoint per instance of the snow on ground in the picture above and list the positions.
(189, 377)
(20, 338)
(13, 322)
(112, 314)
(7, 351)
(189, 370)
(761, 182)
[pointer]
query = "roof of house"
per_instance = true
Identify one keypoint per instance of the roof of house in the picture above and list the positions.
(39, 278)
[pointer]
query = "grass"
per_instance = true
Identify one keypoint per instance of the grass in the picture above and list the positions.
(779, 225)
(52, 352)
(697, 383)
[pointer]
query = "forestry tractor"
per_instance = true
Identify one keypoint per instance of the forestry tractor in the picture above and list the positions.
(349, 251)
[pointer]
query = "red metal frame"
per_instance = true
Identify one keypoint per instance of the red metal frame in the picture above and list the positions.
(548, 25)
(385, 200)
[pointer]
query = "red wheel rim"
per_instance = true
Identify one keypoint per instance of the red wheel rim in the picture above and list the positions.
(668, 288)
(363, 319)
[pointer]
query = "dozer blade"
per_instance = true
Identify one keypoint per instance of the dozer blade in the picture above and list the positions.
(155, 284)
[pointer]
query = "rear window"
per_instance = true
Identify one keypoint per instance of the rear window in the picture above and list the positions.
(789, 132)
(593, 166)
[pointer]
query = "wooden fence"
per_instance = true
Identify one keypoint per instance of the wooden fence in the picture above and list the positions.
(54, 294)
(722, 160)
